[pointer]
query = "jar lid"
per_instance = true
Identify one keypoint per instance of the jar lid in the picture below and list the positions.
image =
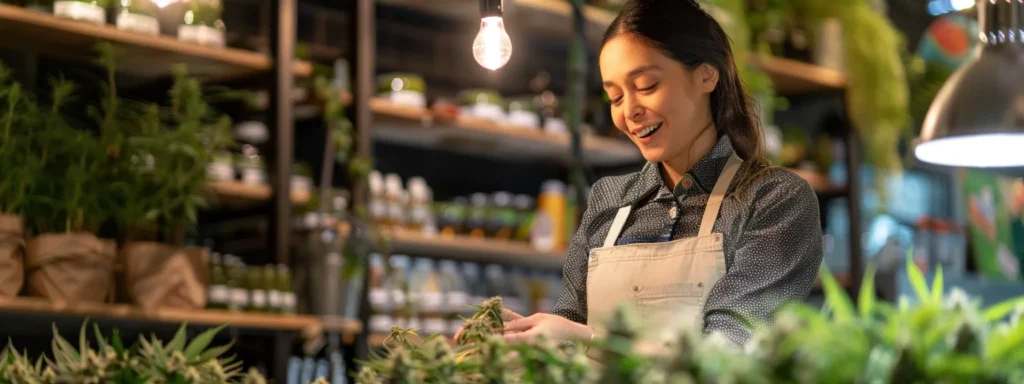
(553, 187)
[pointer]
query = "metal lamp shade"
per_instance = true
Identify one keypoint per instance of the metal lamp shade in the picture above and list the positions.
(977, 118)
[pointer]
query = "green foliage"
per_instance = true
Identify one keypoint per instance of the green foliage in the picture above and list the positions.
(136, 162)
(152, 361)
(938, 338)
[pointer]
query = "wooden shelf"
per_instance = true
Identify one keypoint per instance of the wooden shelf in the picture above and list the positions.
(235, 193)
(142, 55)
(464, 248)
(308, 325)
(795, 77)
(534, 17)
(819, 182)
(418, 127)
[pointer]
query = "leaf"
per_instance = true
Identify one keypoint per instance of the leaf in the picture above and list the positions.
(937, 290)
(1002, 310)
(866, 299)
(998, 347)
(115, 341)
(196, 347)
(178, 342)
(838, 302)
(916, 278)
(65, 346)
(213, 353)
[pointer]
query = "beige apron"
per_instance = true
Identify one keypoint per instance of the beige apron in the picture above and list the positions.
(668, 282)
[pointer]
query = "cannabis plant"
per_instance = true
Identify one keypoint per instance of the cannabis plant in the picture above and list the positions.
(150, 361)
(938, 338)
(16, 116)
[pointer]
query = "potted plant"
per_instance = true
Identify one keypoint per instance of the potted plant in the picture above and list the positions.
(139, 16)
(66, 260)
(163, 195)
(16, 181)
(90, 11)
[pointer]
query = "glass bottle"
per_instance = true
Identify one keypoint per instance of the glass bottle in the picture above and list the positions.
(217, 292)
(257, 291)
(284, 285)
(273, 291)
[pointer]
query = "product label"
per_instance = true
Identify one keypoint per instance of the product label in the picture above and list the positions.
(435, 326)
(486, 111)
(524, 119)
(457, 300)
(80, 11)
(259, 298)
(127, 21)
(398, 297)
(240, 297)
(253, 176)
(381, 323)
(274, 299)
(201, 34)
(378, 209)
(288, 301)
(217, 295)
(410, 98)
(431, 301)
(378, 298)
(220, 171)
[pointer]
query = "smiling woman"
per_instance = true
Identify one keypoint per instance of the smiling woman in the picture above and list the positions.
(707, 234)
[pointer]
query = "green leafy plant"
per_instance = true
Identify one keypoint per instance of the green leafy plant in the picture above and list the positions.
(18, 113)
(937, 338)
(150, 361)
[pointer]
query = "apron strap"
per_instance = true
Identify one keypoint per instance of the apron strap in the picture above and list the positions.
(617, 224)
(717, 194)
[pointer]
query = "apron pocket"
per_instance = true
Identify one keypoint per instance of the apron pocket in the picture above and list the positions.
(669, 306)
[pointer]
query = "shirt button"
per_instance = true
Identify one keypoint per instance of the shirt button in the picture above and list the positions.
(636, 288)
(672, 212)
(687, 181)
(593, 254)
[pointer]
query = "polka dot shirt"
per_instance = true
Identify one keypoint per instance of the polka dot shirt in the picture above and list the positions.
(772, 237)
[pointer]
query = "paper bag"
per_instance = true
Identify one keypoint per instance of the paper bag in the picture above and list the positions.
(73, 267)
(12, 254)
(160, 276)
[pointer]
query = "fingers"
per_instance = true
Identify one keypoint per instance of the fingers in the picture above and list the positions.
(458, 333)
(523, 323)
(508, 315)
(520, 337)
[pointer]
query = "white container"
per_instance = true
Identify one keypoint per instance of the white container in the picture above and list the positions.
(76, 10)
(133, 22)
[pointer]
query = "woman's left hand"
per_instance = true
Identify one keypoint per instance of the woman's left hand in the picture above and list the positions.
(553, 327)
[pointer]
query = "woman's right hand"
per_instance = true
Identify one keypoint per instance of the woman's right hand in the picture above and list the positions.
(506, 315)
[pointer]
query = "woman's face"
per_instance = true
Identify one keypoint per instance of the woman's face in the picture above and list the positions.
(660, 104)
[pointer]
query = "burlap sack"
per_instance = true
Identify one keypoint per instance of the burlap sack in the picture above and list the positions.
(160, 276)
(12, 254)
(73, 267)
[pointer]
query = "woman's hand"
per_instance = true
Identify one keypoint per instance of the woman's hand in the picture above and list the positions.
(506, 315)
(553, 327)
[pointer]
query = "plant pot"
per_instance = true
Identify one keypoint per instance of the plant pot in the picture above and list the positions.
(12, 254)
(74, 267)
(161, 276)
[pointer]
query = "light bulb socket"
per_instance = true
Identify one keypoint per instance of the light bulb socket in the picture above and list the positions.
(1001, 22)
(490, 8)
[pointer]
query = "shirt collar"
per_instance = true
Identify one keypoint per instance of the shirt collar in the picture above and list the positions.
(705, 172)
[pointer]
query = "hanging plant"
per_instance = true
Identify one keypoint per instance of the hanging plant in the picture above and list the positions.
(877, 92)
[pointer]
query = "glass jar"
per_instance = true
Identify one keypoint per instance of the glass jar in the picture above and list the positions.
(139, 16)
(90, 11)
(202, 23)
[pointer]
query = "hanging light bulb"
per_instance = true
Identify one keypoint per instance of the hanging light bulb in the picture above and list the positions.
(492, 47)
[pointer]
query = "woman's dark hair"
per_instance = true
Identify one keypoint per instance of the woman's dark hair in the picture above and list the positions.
(687, 34)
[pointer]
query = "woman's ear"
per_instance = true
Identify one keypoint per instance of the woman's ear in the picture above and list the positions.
(707, 77)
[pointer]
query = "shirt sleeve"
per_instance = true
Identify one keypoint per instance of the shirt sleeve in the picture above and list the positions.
(776, 261)
(572, 301)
